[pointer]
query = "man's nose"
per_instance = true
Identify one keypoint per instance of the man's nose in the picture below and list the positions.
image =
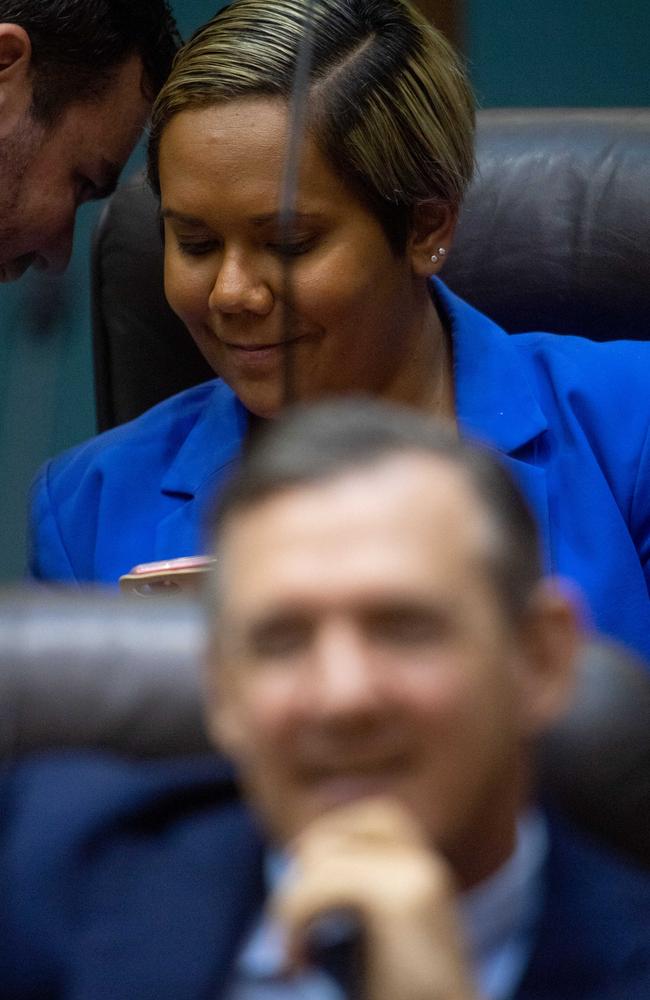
(240, 286)
(58, 250)
(347, 676)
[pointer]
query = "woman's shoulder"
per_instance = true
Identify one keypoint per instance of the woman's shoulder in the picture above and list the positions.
(567, 360)
(612, 373)
(572, 350)
(95, 510)
(161, 430)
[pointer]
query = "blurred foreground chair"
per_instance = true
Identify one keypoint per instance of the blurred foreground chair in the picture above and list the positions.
(554, 235)
(101, 671)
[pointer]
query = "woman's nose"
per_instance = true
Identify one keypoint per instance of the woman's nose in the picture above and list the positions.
(240, 287)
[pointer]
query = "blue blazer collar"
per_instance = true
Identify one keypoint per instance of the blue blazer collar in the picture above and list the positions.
(495, 398)
(214, 442)
(495, 402)
(190, 483)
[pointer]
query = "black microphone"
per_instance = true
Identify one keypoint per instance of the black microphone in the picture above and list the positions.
(297, 119)
(335, 943)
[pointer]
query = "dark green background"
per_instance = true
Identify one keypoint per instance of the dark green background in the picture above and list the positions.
(527, 53)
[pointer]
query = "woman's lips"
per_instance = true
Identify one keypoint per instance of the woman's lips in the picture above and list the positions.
(254, 348)
(260, 355)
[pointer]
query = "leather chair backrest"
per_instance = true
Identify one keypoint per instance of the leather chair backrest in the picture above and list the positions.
(101, 671)
(554, 235)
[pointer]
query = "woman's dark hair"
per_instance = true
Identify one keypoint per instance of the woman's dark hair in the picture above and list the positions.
(78, 45)
(309, 445)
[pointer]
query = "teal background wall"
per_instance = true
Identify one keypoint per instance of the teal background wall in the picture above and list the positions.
(559, 53)
(526, 53)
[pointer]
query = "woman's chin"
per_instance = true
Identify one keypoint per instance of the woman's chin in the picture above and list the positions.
(265, 405)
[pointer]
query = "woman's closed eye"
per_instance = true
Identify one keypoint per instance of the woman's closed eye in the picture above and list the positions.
(196, 247)
(292, 247)
(285, 248)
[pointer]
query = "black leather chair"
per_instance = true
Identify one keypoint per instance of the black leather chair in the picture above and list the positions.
(100, 671)
(554, 235)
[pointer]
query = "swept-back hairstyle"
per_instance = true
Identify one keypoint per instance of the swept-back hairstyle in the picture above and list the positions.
(314, 444)
(77, 46)
(388, 105)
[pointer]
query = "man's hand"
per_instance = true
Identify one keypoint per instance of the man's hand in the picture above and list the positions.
(371, 858)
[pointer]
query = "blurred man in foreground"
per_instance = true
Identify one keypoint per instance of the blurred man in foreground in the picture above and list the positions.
(77, 78)
(384, 655)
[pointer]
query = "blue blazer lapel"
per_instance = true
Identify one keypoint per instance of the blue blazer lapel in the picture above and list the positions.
(190, 483)
(532, 480)
(496, 401)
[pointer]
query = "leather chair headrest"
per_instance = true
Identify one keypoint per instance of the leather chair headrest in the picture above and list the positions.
(123, 674)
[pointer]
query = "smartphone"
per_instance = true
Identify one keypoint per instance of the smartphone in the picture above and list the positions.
(169, 576)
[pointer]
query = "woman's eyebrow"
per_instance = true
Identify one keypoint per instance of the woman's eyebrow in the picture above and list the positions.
(273, 218)
(265, 219)
(188, 220)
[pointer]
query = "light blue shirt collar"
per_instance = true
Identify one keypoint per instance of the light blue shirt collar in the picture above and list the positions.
(499, 917)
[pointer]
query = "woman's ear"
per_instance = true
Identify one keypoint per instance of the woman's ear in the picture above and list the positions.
(15, 76)
(432, 232)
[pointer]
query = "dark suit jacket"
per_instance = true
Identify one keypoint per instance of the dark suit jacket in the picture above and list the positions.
(138, 881)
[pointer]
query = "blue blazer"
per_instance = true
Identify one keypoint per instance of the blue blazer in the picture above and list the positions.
(139, 881)
(571, 419)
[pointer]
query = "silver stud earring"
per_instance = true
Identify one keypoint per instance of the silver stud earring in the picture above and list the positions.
(436, 256)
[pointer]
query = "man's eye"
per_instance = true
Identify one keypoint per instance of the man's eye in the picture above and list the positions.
(281, 639)
(406, 627)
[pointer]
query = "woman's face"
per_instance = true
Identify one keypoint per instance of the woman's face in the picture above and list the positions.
(354, 320)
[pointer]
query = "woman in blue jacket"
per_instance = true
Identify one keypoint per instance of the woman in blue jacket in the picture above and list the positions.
(342, 296)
